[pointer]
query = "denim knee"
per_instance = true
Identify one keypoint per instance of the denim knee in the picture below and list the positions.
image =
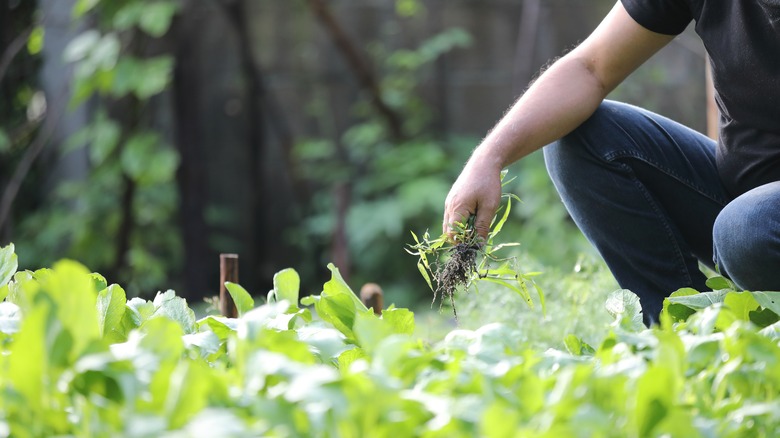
(746, 240)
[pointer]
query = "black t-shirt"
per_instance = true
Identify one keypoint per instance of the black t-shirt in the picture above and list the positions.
(742, 38)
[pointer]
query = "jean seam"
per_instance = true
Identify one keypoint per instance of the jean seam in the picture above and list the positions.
(670, 234)
(615, 155)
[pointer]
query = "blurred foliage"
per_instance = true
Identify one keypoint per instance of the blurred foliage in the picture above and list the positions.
(400, 185)
(395, 184)
(129, 192)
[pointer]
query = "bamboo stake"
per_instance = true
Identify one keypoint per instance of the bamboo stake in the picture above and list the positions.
(228, 271)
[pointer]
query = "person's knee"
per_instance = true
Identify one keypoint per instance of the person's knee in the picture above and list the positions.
(747, 244)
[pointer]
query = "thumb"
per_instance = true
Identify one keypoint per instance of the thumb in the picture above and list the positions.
(482, 222)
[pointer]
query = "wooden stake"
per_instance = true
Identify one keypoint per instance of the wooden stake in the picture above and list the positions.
(228, 271)
(372, 296)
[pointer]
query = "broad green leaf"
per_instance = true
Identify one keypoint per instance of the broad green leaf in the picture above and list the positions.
(679, 312)
(700, 300)
(8, 264)
(624, 306)
(654, 399)
(327, 343)
(164, 338)
(768, 300)
(772, 331)
(155, 18)
(763, 317)
(348, 357)
(221, 326)
(720, 283)
(99, 281)
(338, 305)
(175, 308)
(242, 298)
(287, 284)
(72, 289)
(741, 303)
(400, 321)
(207, 343)
(188, 393)
(111, 306)
(370, 330)
(28, 370)
(141, 310)
(575, 346)
(500, 420)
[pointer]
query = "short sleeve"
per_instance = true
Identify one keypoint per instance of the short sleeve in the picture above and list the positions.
(669, 17)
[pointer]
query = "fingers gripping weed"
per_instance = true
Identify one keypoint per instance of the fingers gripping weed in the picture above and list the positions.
(461, 259)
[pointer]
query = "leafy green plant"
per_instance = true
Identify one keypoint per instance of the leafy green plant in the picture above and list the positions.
(78, 359)
(460, 259)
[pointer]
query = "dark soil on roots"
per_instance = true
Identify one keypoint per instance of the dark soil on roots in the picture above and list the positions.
(456, 272)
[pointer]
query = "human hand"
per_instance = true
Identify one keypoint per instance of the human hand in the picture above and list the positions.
(477, 191)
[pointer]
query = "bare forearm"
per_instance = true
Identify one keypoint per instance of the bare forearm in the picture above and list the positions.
(559, 101)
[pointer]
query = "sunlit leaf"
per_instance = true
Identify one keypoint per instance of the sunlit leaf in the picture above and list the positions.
(111, 306)
(175, 308)
(741, 303)
(8, 264)
(242, 298)
(768, 300)
(624, 306)
(287, 284)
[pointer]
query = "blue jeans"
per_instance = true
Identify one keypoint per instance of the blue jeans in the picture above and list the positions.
(646, 193)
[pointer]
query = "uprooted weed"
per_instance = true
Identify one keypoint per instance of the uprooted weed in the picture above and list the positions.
(457, 271)
(461, 258)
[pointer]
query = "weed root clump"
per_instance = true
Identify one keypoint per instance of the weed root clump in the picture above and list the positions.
(456, 272)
